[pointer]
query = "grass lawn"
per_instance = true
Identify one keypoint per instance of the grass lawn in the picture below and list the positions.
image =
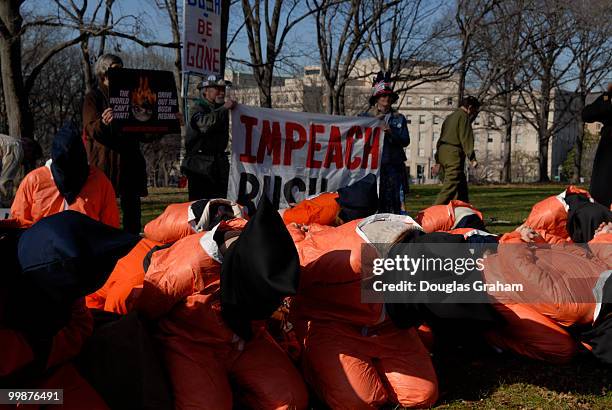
(474, 376)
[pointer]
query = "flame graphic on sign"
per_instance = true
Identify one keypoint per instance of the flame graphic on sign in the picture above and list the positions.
(143, 100)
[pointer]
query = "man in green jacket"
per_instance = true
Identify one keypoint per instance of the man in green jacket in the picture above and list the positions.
(206, 163)
(456, 143)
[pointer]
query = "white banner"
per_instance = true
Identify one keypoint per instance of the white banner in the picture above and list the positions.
(202, 37)
(291, 155)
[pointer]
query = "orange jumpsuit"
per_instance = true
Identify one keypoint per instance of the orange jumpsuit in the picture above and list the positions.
(38, 196)
(201, 352)
(354, 356)
(178, 221)
(548, 218)
(125, 281)
(558, 283)
(15, 353)
(171, 225)
(441, 218)
(322, 209)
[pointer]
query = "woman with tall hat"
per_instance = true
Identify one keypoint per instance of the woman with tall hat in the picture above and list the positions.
(393, 185)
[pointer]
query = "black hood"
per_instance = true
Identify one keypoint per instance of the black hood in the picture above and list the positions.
(259, 270)
(62, 258)
(69, 165)
(358, 200)
(584, 217)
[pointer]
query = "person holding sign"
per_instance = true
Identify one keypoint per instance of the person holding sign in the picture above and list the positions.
(393, 185)
(118, 156)
(206, 163)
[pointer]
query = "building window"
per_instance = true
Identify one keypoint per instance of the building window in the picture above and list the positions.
(518, 139)
(436, 100)
(449, 101)
(409, 119)
(421, 152)
(312, 72)
(409, 100)
(436, 119)
(422, 101)
(489, 138)
(421, 119)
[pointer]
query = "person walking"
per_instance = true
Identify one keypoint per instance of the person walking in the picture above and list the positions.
(206, 163)
(456, 143)
(601, 111)
(118, 156)
(393, 181)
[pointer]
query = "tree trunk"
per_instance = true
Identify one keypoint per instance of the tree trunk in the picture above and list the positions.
(341, 101)
(543, 131)
(330, 98)
(17, 109)
(178, 62)
(86, 63)
(507, 168)
(265, 88)
(543, 155)
(579, 145)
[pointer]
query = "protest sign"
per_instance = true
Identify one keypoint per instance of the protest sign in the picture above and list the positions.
(202, 37)
(143, 101)
(291, 155)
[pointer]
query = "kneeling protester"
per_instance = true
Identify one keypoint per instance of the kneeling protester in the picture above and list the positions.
(43, 318)
(345, 336)
(209, 291)
(181, 220)
(355, 201)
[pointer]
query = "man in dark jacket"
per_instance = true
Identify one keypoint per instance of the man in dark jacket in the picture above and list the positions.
(601, 111)
(118, 156)
(206, 163)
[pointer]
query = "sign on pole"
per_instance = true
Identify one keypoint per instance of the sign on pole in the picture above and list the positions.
(291, 155)
(202, 37)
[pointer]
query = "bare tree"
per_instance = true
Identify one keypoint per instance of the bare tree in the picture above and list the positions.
(344, 33)
(266, 51)
(502, 44)
(551, 31)
(17, 110)
(590, 49)
(470, 17)
(69, 18)
(404, 43)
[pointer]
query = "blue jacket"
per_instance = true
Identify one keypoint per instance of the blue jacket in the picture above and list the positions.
(395, 140)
